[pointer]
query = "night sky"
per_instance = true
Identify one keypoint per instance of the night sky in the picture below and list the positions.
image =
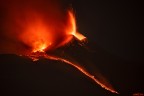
(115, 49)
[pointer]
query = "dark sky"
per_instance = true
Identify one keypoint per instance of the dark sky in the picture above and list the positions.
(115, 48)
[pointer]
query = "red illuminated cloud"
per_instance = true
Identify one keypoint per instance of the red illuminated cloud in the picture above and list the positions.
(33, 25)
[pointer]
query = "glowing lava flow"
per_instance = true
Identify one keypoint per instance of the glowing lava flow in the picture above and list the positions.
(81, 70)
(35, 56)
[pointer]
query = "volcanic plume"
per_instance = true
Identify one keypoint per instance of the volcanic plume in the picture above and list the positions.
(33, 28)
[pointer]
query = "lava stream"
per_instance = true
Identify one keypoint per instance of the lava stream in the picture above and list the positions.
(35, 56)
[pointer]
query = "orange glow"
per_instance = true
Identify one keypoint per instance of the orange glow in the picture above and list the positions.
(79, 36)
(37, 36)
(72, 27)
(41, 36)
(40, 47)
(72, 21)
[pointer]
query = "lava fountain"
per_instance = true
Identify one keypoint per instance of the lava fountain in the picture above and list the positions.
(38, 32)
